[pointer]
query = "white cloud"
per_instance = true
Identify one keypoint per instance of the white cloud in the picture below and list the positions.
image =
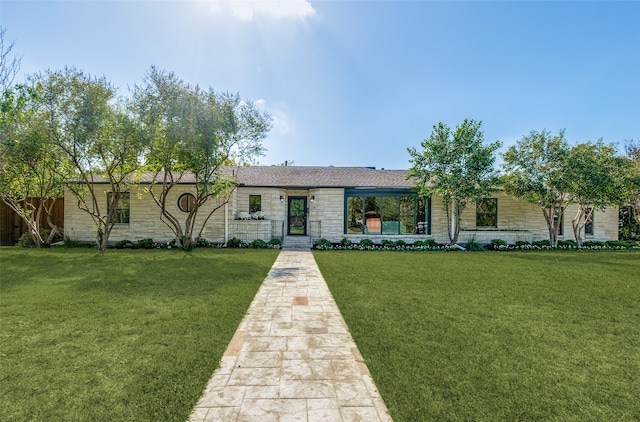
(248, 10)
(282, 124)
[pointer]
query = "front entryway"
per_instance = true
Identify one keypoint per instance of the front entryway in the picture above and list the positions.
(297, 216)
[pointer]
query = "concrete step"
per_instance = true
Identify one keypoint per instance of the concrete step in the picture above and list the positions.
(296, 243)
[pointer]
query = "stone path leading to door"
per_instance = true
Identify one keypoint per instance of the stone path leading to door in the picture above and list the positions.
(292, 357)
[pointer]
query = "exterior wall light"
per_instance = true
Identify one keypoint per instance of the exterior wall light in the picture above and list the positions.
(282, 199)
(313, 198)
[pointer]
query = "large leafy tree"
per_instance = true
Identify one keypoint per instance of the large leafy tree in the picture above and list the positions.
(97, 137)
(632, 148)
(597, 178)
(31, 173)
(457, 166)
(535, 170)
(30, 176)
(193, 134)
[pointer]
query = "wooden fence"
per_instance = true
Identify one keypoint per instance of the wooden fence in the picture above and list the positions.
(12, 226)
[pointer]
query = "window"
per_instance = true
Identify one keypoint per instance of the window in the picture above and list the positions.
(369, 211)
(487, 212)
(186, 202)
(121, 215)
(561, 222)
(588, 221)
(255, 203)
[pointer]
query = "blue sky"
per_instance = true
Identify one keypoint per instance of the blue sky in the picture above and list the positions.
(357, 82)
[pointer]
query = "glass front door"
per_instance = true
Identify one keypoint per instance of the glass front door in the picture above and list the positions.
(297, 216)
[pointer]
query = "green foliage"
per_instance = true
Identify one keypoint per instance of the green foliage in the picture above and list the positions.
(234, 242)
(522, 243)
(567, 242)
(125, 244)
(498, 242)
(535, 169)
(146, 244)
(366, 242)
(68, 242)
(275, 241)
(323, 243)
(258, 244)
(400, 242)
(345, 242)
(474, 245)
(544, 242)
(427, 242)
(457, 166)
(202, 243)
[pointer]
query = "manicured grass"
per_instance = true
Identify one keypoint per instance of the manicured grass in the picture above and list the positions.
(120, 336)
(495, 336)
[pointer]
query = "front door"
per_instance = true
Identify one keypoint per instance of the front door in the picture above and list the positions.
(297, 216)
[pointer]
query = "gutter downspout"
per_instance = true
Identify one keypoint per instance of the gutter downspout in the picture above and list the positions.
(226, 222)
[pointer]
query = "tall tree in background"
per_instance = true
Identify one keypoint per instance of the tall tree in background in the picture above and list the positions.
(457, 166)
(98, 139)
(193, 135)
(30, 173)
(597, 177)
(630, 211)
(535, 170)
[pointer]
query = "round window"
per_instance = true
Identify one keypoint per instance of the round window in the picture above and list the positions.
(186, 202)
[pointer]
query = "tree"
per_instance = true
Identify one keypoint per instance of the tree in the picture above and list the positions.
(193, 135)
(31, 173)
(456, 166)
(535, 170)
(632, 148)
(597, 177)
(9, 63)
(97, 137)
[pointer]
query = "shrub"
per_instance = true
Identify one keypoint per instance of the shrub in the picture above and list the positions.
(68, 242)
(125, 244)
(366, 242)
(498, 242)
(544, 242)
(146, 243)
(523, 243)
(474, 245)
(345, 242)
(323, 243)
(275, 242)
(234, 242)
(387, 242)
(427, 242)
(202, 243)
(592, 243)
(400, 242)
(258, 244)
(567, 242)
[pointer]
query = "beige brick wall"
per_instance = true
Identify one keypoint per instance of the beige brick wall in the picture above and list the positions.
(517, 215)
(517, 220)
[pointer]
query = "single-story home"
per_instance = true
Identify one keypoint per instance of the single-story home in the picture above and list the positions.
(334, 203)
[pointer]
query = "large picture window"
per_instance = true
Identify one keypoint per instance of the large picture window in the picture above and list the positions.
(487, 212)
(385, 212)
(121, 215)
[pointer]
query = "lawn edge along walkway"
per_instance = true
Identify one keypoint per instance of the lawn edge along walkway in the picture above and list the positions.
(292, 357)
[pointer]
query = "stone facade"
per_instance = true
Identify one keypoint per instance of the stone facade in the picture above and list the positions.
(517, 220)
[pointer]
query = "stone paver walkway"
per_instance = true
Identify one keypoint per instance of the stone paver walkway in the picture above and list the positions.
(292, 357)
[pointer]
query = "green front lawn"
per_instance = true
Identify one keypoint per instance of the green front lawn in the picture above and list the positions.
(120, 336)
(495, 336)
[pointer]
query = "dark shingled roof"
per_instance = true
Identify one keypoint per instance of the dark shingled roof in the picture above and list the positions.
(328, 177)
(304, 177)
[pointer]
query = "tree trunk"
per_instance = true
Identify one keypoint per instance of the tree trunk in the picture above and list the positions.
(577, 228)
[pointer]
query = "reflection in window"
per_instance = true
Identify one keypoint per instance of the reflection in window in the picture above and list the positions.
(588, 221)
(121, 215)
(355, 222)
(386, 214)
(255, 203)
(487, 212)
